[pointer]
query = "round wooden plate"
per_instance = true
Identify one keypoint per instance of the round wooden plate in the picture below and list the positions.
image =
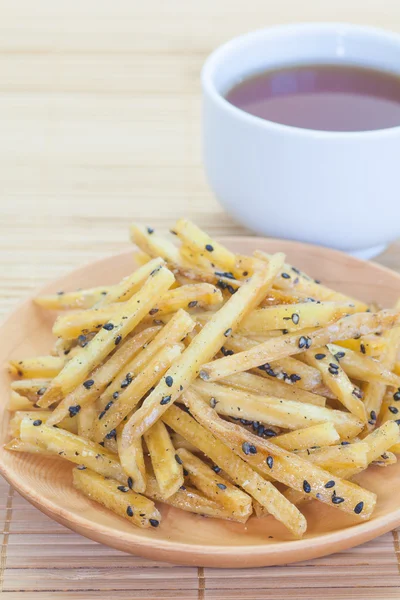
(184, 538)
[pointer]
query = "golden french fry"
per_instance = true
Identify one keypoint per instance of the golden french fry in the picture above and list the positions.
(195, 259)
(284, 466)
(33, 389)
(271, 387)
(323, 434)
(241, 473)
(18, 402)
(368, 345)
(138, 484)
(109, 419)
(203, 346)
(287, 414)
(83, 396)
(36, 367)
(336, 457)
(294, 317)
(127, 287)
(362, 367)
(86, 420)
(72, 300)
(37, 415)
(105, 341)
(188, 499)
(153, 245)
(179, 441)
(335, 378)
(215, 487)
(74, 448)
(167, 469)
(175, 330)
(287, 345)
(118, 498)
(17, 445)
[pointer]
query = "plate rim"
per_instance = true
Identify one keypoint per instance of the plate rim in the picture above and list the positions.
(235, 556)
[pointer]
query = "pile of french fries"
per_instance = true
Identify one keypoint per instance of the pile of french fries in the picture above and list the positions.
(220, 384)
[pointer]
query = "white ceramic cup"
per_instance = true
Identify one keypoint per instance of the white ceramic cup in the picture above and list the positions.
(337, 189)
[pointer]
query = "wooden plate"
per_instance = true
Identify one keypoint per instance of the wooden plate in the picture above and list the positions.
(184, 538)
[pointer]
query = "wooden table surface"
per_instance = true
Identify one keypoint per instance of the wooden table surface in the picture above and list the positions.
(100, 126)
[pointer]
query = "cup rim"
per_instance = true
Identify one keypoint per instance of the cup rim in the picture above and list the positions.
(213, 60)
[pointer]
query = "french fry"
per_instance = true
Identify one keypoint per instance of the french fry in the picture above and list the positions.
(287, 345)
(104, 342)
(16, 445)
(241, 473)
(119, 499)
(167, 469)
(72, 300)
(140, 481)
(294, 317)
(206, 343)
(37, 415)
(86, 419)
(72, 325)
(287, 414)
(33, 389)
(276, 297)
(198, 241)
(130, 285)
(141, 258)
(103, 375)
(293, 279)
(36, 367)
(361, 367)
(18, 402)
(179, 441)
(336, 457)
(195, 259)
(335, 378)
(283, 466)
(74, 448)
(188, 499)
(153, 245)
(175, 330)
(271, 387)
(323, 434)
(215, 487)
(132, 394)
(385, 460)
(368, 345)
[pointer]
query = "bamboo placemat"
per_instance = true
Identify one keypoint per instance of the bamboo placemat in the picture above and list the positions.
(99, 126)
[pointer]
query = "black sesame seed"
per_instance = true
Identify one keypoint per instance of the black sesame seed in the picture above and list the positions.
(213, 402)
(109, 405)
(127, 381)
(154, 522)
(88, 384)
(221, 486)
(130, 483)
(111, 434)
(337, 499)
(41, 391)
(186, 473)
(82, 340)
(357, 393)
(123, 488)
(81, 467)
(329, 484)
(334, 366)
(228, 332)
(344, 443)
(178, 459)
(245, 273)
(60, 293)
(73, 410)
(115, 395)
(304, 342)
(226, 352)
(101, 415)
(108, 326)
(169, 381)
(339, 355)
(129, 511)
(285, 331)
(270, 461)
(270, 433)
(216, 469)
(192, 304)
(101, 444)
(306, 487)
(182, 488)
(150, 230)
(296, 270)
(165, 400)
(295, 318)
(209, 248)
(372, 415)
(396, 396)
(393, 410)
(117, 340)
(358, 508)
(180, 388)
(362, 348)
(246, 447)
(37, 422)
(293, 378)
(333, 371)
(260, 430)
(285, 275)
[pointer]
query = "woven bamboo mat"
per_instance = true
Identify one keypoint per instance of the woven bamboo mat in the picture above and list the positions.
(100, 125)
